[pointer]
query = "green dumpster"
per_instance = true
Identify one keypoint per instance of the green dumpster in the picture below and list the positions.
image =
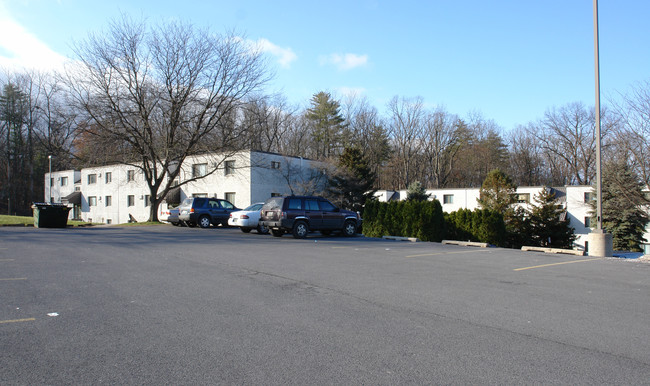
(50, 215)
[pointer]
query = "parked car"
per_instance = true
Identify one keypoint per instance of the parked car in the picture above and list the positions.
(170, 216)
(203, 211)
(303, 214)
(248, 219)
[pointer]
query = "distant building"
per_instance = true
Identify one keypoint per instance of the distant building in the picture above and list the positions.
(114, 194)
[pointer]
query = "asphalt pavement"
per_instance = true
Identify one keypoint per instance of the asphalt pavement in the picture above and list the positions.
(169, 305)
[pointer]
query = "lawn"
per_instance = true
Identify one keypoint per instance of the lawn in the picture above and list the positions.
(28, 221)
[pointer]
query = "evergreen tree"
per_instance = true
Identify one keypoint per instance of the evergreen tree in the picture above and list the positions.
(328, 125)
(417, 192)
(623, 205)
(352, 183)
(549, 224)
(497, 192)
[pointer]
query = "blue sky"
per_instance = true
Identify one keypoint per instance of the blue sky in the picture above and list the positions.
(509, 60)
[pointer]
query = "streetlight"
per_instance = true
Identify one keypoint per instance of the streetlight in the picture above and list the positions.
(600, 243)
(49, 158)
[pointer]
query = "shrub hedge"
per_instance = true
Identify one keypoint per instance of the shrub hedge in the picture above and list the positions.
(426, 221)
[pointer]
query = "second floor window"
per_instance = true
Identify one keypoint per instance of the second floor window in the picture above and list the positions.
(130, 175)
(109, 177)
(64, 181)
(230, 167)
(199, 170)
(92, 179)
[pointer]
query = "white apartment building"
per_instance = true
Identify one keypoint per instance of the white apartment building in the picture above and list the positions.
(116, 194)
(574, 198)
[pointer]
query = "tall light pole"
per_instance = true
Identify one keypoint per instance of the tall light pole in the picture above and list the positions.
(600, 243)
(49, 158)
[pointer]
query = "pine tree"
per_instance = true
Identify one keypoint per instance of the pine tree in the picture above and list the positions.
(417, 192)
(352, 184)
(328, 124)
(622, 205)
(549, 224)
(497, 192)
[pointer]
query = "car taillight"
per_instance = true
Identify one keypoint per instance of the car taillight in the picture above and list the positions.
(192, 210)
(243, 216)
(283, 214)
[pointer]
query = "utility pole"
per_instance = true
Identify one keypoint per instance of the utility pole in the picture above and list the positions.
(600, 243)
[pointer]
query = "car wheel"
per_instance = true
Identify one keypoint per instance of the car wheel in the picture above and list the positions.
(204, 222)
(175, 224)
(190, 224)
(246, 230)
(300, 230)
(349, 228)
(277, 232)
(263, 230)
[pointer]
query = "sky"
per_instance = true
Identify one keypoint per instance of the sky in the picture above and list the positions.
(508, 60)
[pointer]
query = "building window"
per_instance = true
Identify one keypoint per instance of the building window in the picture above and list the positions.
(230, 196)
(523, 198)
(130, 175)
(447, 198)
(109, 177)
(589, 196)
(109, 221)
(64, 181)
(92, 201)
(276, 194)
(130, 200)
(108, 201)
(199, 195)
(199, 170)
(588, 222)
(147, 200)
(230, 167)
(275, 165)
(92, 179)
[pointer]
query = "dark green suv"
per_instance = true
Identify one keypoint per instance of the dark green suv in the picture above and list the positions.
(303, 214)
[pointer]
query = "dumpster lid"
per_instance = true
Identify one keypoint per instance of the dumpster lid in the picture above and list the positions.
(72, 198)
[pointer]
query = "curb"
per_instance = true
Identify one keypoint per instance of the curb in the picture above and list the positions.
(553, 250)
(466, 243)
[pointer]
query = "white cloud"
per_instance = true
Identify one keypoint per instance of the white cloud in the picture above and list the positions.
(19, 49)
(285, 55)
(345, 62)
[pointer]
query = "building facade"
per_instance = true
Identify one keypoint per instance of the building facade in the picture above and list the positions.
(116, 194)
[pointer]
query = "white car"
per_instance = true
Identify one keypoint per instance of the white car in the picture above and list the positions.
(248, 219)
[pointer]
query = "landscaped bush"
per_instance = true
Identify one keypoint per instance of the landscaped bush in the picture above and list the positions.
(421, 219)
(481, 225)
(426, 221)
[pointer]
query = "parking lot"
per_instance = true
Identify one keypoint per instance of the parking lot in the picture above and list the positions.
(163, 304)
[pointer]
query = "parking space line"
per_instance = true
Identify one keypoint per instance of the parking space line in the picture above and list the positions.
(6, 259)
(17, 320)
(13, 278)
(443, 253)
(550, 265)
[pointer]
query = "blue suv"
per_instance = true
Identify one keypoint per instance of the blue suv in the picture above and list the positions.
(203, 211)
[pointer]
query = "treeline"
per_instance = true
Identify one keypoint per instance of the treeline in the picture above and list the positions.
(79, 121)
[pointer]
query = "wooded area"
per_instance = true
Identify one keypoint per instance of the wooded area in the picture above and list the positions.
(152, 95)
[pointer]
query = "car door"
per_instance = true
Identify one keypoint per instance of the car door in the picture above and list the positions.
(216, 211)
(313, 213)
(332, 217)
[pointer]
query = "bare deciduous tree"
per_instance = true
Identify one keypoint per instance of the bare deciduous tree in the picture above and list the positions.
(163, 93)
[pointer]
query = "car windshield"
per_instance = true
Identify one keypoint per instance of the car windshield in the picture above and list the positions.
(254, 207)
